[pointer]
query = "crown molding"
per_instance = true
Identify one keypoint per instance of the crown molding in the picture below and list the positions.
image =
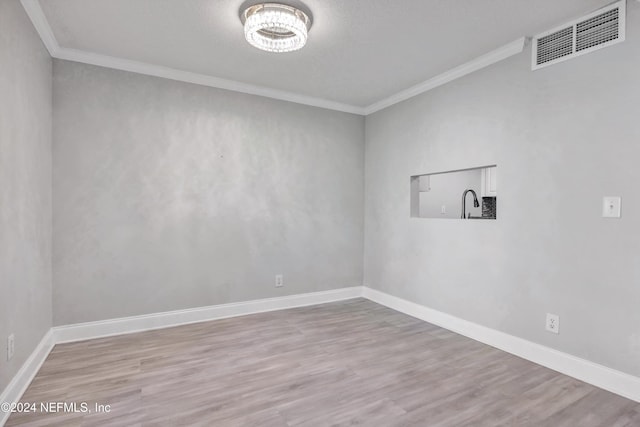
(39, 20)
(483, 61)
(200, 79)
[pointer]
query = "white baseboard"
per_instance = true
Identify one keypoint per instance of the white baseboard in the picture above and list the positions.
(600, 376)
(83, 331)
(127, 325)
(18, 385)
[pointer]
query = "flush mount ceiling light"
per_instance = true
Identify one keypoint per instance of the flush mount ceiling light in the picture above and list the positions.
(275, 27)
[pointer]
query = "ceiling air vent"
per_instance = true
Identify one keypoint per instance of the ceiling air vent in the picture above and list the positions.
(599, 29)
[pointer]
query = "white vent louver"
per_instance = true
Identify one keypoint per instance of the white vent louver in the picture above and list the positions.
(599, 29)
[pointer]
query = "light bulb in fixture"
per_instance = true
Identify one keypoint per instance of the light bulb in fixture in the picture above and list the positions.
(275, 27)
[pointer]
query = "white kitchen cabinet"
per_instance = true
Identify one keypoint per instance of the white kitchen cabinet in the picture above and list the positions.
(489, 182)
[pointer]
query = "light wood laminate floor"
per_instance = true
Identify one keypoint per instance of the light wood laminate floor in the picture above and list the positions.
(345, 363)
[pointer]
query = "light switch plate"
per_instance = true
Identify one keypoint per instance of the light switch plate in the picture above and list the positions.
(611, 207)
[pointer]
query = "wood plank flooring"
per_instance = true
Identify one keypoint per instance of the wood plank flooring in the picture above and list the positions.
(346, 363)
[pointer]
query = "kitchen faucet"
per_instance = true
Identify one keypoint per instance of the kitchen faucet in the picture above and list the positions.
(464, 202)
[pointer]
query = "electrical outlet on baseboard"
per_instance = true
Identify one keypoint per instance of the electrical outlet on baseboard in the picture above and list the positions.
(553, 323)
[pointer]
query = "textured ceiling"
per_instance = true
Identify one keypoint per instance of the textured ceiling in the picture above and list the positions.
(359, 51)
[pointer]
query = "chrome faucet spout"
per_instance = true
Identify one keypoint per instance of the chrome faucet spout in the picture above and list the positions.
(464, 202)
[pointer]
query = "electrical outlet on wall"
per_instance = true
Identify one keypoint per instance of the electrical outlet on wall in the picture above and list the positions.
(553, 323)
(279, 280)
(443, 209)
(10, 346)
(611, 207)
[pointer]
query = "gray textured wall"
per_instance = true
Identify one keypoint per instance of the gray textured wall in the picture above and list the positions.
(563, 138)
(171, 195)
(25, 187)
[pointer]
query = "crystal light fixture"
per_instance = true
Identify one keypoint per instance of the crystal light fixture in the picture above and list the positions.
(275, 27)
